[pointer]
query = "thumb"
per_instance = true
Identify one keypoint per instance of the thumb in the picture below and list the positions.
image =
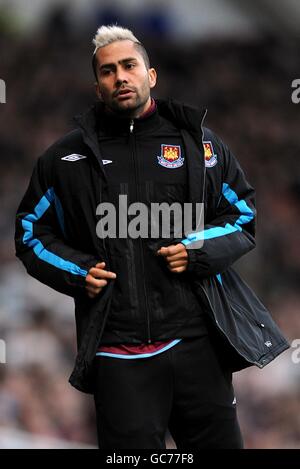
(163, 251)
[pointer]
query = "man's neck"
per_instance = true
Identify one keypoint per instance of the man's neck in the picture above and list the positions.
(150, 108)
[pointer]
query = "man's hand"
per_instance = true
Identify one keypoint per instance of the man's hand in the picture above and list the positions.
(176, 256)
(97, 278)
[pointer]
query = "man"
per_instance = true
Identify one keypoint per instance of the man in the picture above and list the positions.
(162, 322)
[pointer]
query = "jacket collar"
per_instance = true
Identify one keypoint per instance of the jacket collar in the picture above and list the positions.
(110, 125)
(183, 116)
(187, 119)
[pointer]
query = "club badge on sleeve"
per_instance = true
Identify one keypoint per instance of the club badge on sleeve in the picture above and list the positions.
(170, 156)
(210, 157)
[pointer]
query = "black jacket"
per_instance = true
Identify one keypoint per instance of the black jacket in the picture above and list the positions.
(57, 242)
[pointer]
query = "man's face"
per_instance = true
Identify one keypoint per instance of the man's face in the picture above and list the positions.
(124, 82)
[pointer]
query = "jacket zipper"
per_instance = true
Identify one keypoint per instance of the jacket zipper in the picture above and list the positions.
(148, 332)
(107, 267)
(225, 335)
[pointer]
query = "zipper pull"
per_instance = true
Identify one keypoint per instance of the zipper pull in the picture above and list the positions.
(131, 126)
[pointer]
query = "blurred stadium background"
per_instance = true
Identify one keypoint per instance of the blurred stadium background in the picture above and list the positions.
(238, 59)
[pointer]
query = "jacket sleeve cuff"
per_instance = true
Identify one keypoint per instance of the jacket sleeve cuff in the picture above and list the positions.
(192, 259)
(88, 265)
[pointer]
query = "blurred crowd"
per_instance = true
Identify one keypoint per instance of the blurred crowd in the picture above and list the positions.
(246, 87)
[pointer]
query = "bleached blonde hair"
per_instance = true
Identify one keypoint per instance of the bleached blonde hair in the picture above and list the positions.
(108, 34)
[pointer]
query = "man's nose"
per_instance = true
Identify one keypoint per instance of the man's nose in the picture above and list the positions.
(120, 77)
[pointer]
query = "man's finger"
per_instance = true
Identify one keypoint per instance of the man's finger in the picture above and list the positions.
(176, 248)
(100, 273)
(171, 250)
(94, 290)
(177, 257)
(180, 263)
(164, 251)
(178, 270)
(94, 282)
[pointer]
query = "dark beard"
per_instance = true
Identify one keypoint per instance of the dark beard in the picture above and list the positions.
(130, 112)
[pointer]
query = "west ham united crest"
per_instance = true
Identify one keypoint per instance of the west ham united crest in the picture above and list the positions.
(209, 155)
(170, 156)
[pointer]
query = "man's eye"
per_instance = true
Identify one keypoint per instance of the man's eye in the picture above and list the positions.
(105, 71)
(129, 65)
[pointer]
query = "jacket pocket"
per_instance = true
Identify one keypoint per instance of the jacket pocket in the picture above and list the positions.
(242, 298)
(263, 327)
(249, 335)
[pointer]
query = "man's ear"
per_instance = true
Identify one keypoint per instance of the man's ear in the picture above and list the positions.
(152, 77)
(97, 90)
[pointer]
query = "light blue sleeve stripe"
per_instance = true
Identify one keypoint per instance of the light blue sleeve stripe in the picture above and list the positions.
(55, 260)
(140, 355)
(246, 216)
(229, 194)
(243, 208)
(246, 213)
(219, 278)
(41, 207)
(28, 229)
(210, 233)
(38, 248)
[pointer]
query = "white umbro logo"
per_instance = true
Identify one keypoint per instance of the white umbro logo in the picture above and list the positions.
(73, 157)
(106, 161)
